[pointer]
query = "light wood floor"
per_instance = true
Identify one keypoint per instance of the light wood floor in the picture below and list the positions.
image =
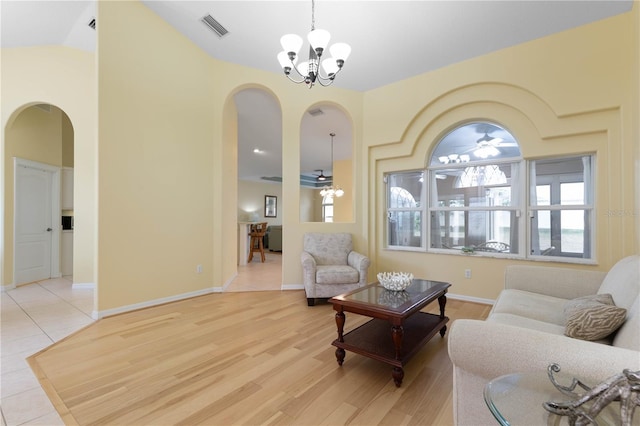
(239, 358)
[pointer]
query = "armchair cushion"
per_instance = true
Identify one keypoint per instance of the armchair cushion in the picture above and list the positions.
(328, 249)
(336, 274)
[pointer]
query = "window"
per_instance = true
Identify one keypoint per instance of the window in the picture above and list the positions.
(475, 182)
(404, 209)
(561, 207)
(477, 196)
(327, 208)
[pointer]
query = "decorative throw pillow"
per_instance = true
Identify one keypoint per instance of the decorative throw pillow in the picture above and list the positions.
(581, 302)
(588, 318)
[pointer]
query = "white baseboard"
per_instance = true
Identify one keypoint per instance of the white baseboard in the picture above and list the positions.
(470, 299)
(292, 287)
(7, 287)
(229, 281)
(109, 312)
(87, 286)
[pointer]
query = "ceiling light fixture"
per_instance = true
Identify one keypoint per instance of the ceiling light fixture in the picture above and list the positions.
(487, 146)
(333, 190)
(309, 71)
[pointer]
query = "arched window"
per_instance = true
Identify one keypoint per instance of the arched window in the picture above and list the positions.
(475, 180)
(327, 208)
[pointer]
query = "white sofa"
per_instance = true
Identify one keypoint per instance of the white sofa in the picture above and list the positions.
(525, 333)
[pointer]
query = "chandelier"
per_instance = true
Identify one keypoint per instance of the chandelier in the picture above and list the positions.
(308, 72)
(331, 191)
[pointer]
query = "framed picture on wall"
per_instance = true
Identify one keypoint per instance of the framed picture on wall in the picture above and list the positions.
(270, 206)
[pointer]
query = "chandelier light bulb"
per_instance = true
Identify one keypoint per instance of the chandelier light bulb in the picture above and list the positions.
(319, 39)
(340, 51)
(291, 43)
(330, 66)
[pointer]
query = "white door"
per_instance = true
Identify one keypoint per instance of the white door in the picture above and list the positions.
(33, 224)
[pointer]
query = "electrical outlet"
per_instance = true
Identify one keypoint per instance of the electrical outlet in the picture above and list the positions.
(467, 273)
(199, 269)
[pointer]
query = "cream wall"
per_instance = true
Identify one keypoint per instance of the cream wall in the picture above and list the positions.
(568, 93)
(343, 176)
(68, 83)
(251, 201)
(165, 122)
(67, 142)
(308, 205)
(156, 156)
(166, 153)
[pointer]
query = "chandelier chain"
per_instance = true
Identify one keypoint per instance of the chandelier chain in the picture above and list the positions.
(313, 15)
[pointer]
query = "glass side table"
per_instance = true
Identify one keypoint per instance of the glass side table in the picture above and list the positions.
(516, 400)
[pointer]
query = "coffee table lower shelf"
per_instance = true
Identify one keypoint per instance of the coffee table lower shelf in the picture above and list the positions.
(374, 338)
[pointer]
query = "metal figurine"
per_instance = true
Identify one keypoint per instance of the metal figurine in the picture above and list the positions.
(624, 387)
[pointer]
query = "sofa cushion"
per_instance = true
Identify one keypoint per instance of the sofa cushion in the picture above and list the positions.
(530, 323)
(535, 306)
(591, 320)
(336, 274)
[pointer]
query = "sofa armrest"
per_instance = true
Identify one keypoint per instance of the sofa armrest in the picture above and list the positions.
(483, 350)
(557, 282)
(361, 263)
(487, 349)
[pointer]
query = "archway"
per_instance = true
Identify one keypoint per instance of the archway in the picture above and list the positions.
(259, 194)
(38, 134)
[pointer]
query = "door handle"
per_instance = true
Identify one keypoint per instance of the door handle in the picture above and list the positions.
(49, 229)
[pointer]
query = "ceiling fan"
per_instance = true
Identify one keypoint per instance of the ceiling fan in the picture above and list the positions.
(321, 177)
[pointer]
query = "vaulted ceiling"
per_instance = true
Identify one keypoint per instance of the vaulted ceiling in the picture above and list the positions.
(391, 41)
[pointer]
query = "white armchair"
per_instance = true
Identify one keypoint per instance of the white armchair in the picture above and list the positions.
(330, 266)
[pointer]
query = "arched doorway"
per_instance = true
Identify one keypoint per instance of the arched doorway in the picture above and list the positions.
(259, 192)
(39, 146)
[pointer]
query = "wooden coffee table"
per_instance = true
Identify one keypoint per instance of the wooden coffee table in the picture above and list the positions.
(397, 329)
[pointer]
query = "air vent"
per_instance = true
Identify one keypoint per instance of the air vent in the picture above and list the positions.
(316, 112)
(92, 23)
(215, 26)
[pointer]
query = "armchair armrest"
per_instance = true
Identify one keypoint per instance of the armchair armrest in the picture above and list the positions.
(308, 269)
(557, 282)
(488, 350)
(361, 263)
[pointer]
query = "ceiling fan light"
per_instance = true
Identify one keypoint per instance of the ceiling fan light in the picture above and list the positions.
(340, 51)
(319, 39)
(339, 192)
(291, 43)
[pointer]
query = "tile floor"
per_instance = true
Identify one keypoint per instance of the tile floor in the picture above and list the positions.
(34, 316)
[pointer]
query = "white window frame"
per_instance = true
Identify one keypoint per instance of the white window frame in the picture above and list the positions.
(420, 209)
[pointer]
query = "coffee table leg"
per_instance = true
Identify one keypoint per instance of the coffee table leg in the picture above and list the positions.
(340, 323)
(442, 301)
(397, 333)
(398, 374)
